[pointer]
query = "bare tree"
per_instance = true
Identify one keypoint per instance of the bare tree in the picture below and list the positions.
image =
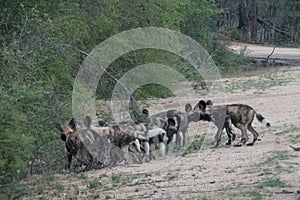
(254, 21)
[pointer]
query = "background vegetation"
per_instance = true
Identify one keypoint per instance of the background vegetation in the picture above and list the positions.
(41, 44)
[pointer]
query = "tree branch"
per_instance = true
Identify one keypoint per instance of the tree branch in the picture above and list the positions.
(270, 26)
(23, 27)
(266, 61)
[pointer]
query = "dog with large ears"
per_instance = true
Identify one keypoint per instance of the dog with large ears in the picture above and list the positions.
(205, 109)
(177, 124)
(115, 134)
(74, 145)
(240, 115)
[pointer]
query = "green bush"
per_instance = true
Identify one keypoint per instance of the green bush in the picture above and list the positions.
(43, 45)
(194, 146)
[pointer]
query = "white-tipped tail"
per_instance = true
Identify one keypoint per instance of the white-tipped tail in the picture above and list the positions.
(266, 123)
(263, 120)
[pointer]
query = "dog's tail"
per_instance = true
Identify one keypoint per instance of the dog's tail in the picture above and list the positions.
(263, 120)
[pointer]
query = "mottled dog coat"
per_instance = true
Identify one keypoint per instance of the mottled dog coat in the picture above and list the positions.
(74, 145)
(240, 115)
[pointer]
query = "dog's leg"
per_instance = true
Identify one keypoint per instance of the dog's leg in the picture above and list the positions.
(138, 145)
(177, 142)
(255, 135)
(244, 138)
(218, 137)
(162, 148)
(229, 131)
(147, 147)
(183, 138)
(233, 136)
(167, 148)
(169, 144)
(152, 151)
(229, 138)
(147, 151)
(68, 161)
(125, 148)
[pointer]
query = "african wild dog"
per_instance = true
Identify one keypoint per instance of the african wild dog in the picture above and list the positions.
(74, 145)
(127, 132)
(149, 133)
(183, 120)
(149, 141)
(171, 129)
(96, 147)
(240, 115)
(166, 121)
(115, 134)
(206, 116)
(176, 123)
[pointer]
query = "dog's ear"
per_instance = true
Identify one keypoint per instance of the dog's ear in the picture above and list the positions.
(170, 113)
(171, 122)
(59, 127)
(188, 107)
(202, 105)
(102, 123)
(209, 103)
(145, 112)
(116, 128)
(72, 124)
(87, 121)
(63, 136)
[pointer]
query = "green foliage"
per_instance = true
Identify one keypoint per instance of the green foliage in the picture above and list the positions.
(229, 63)
(277, 162)
(94, 184)
(15, 145)
(171, 176)
(58, 187)
(153, 90)
(195, 145)
(115, 178)
(42, 47)
(279, 155)
(255, 195)
(290, 129)
(199, 21)
(273, 182)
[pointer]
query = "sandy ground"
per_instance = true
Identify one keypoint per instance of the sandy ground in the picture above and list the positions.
(268, 170)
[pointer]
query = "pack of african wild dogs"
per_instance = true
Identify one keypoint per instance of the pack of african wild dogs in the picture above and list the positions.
(95, 143)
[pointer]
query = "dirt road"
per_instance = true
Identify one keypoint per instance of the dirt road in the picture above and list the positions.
(259, 51)
(268, 170)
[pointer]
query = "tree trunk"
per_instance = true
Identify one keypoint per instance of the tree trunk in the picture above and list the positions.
(273, 33)
(243, 20)
(254, 21)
